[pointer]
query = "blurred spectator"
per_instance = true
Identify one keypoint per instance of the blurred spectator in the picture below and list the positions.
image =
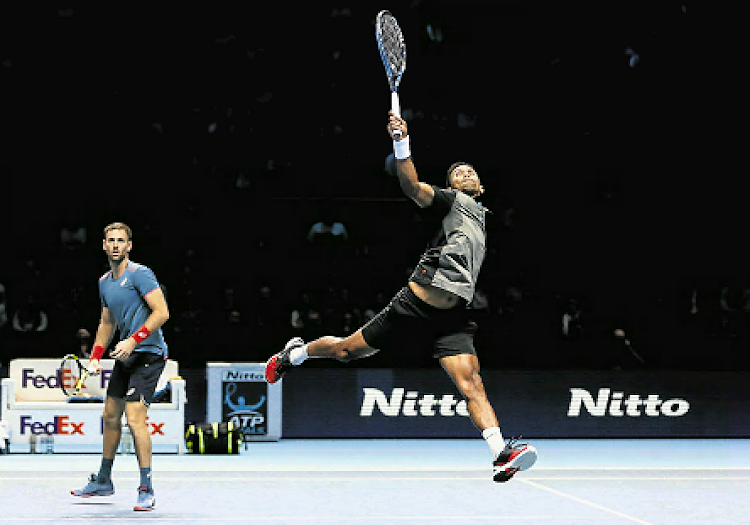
(298, 314)
(326, 241)
(3, 308)
(306, 318)
(481, 301)
(235, 336)
(313, 324)
(72, 236)
(625, 356)
(188, 325)
(229, 302)
(480, 308)
(571, 319)
(349, 324)
(734, 311)
(323, 233)
(84, 343)
(267, 320)
(340, 315)
(30, 317)
(734, 308)
(379, 302)
(511, 301)
(30, 325)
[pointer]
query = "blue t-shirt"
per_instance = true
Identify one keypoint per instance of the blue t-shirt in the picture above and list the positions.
(125, 299)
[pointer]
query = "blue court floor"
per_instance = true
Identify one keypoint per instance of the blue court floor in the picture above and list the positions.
(305, 482)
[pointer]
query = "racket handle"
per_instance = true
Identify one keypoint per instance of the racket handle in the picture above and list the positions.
(396, 108)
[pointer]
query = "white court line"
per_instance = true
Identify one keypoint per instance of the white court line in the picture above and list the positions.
(586, 502)
(131, 476)
(276, 468)
(347, 519)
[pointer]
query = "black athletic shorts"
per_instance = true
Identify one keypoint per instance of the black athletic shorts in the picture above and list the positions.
(135, 378)
(409, 322)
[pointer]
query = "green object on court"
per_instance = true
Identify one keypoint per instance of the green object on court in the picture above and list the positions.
(213, 438)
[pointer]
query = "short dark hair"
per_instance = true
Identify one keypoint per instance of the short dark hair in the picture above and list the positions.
(453, 167)
(118, 226)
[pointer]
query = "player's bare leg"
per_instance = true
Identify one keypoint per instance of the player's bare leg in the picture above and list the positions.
(342, 349)
(463, 369)
(113, 410)
(295, 352)
(135, 412)
(101, 484)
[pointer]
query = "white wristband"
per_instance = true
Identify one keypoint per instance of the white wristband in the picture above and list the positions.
(401, 148)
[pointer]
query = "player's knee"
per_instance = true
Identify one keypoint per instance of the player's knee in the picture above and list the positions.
(111, 420)
(135, 416)
(344, 354)
(348, 350)
(470, 386)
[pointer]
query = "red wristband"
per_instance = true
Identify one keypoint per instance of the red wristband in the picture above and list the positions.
(141, 334)
(97, 352)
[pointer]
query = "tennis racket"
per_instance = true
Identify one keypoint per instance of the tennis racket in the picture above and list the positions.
(72, 375)
(393, 54)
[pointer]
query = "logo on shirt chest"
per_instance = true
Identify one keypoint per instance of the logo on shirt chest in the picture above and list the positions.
(124, 281)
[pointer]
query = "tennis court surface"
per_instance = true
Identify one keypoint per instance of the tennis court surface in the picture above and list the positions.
(575, 482)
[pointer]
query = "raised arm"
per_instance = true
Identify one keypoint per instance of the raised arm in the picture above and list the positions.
(417, 191)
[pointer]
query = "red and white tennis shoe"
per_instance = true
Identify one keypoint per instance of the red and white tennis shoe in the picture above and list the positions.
(279, 364)
(512, 459)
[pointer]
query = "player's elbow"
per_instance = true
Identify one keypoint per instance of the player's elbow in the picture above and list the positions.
(409, 189)
(163, 315)
(420, 197)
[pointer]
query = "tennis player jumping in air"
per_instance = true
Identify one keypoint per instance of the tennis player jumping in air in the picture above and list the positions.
(134, 304)
(432, 307)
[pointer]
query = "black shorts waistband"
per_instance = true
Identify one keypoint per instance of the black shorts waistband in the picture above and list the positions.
(411, 296)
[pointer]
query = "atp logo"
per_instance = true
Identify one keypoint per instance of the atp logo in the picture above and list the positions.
(250, 417)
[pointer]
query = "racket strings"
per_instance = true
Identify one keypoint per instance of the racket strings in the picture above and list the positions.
(71, 371)
(393, 43)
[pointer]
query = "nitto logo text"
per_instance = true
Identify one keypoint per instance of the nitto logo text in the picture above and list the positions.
(617, 405)
(411, 404)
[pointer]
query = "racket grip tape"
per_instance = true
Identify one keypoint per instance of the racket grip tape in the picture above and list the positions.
(396, 108)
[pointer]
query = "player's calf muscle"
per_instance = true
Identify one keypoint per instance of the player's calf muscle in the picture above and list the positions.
(339, 348)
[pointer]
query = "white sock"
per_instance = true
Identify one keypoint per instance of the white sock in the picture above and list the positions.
(494, 439)
(298, 355)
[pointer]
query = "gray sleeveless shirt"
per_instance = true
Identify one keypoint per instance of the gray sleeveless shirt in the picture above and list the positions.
(455, 254)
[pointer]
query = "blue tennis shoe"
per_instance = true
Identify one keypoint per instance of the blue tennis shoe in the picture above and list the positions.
(146, 499)
(94, 488)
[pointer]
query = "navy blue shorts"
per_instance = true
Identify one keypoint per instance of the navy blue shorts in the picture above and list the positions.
(407, 321)
(135, 378)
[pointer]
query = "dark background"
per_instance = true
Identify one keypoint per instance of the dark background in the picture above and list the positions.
(221, 135)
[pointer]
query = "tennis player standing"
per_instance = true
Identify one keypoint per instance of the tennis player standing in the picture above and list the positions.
(134, 304)
(433, 305)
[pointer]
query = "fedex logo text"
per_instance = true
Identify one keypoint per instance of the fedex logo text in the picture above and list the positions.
(60, 425)
(155, 429)
(30, 379)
